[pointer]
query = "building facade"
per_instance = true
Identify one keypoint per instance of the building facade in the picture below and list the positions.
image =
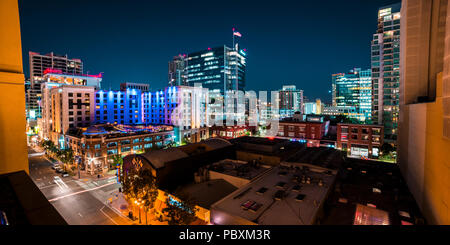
(39, 63)
(386, 70)
(71, 107)
(424, 120)
(178, 71)
(218, 69)
(291, 101)
(97, 145)
(144, 87)
(354, 89)
(309, 131)
(360, 140)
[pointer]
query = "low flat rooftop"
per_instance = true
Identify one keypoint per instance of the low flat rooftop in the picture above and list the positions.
(320, 156)
(236, 168)
(373, 184)
(207, 193)
(279, 197)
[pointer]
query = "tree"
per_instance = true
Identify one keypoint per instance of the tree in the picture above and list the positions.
(387, 148)
(140, 185)
(66, 156)
(180, 211)
(117, 160)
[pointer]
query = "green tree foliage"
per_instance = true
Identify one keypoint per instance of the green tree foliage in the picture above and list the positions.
(140, 185)
(118, 160)
(180, 212)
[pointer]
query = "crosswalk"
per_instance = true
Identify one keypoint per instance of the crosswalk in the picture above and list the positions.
(63, 186)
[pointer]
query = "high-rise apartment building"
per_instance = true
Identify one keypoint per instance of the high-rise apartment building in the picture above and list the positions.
(39, 66)
(178, 71)
(39, 63)
(354, 89)
(385, 58)
(217, 69)
(291, 101)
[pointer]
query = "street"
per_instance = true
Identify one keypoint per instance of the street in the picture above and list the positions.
(79, 201)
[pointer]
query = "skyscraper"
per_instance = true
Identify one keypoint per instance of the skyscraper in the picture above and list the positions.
(354, 89)
(218, 69)
(178, 71)
(385, 70)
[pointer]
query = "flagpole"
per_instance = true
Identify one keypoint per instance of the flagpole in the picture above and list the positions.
(233, 38)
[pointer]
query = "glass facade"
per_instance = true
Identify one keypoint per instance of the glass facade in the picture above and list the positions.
(354, 89)
(220, 69)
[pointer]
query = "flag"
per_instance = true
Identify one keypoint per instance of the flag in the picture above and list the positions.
(237, 34)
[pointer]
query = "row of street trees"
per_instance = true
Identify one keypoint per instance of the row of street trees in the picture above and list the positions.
(66, 156)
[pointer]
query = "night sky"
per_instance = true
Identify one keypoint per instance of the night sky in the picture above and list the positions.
(287, 42)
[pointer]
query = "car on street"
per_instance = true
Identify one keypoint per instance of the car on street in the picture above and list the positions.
(65, 174)
(59, 170)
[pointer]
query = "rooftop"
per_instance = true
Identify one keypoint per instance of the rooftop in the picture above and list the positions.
(237, 168)
(374, 184)
(206, 193)
(283, 196)
(320, 156)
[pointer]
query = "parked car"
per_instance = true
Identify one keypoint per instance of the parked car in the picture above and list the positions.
(59, 170)
(65, 174)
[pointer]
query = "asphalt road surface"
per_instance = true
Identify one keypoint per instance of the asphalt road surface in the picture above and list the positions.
(80, 202)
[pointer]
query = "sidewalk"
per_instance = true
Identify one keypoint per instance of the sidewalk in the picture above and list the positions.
(119, 204)
(86, 176)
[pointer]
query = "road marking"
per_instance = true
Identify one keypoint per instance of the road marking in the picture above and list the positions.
(76, 193)
(80, 215)
(101, 210)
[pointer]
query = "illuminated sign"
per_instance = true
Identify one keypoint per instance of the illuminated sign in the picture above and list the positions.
(137, 163)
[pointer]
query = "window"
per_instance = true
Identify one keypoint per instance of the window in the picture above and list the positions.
(97, 146)
(126, 149)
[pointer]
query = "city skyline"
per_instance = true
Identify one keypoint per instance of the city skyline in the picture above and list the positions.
(309, 63)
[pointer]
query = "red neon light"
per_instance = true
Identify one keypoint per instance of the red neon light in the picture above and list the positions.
(51, 70)
(57, 71)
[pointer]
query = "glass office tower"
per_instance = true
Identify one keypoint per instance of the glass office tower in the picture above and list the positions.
(354, 89)
(220, 68)
(385, 70)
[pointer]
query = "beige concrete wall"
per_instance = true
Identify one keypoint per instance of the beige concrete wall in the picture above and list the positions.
(13, 147)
